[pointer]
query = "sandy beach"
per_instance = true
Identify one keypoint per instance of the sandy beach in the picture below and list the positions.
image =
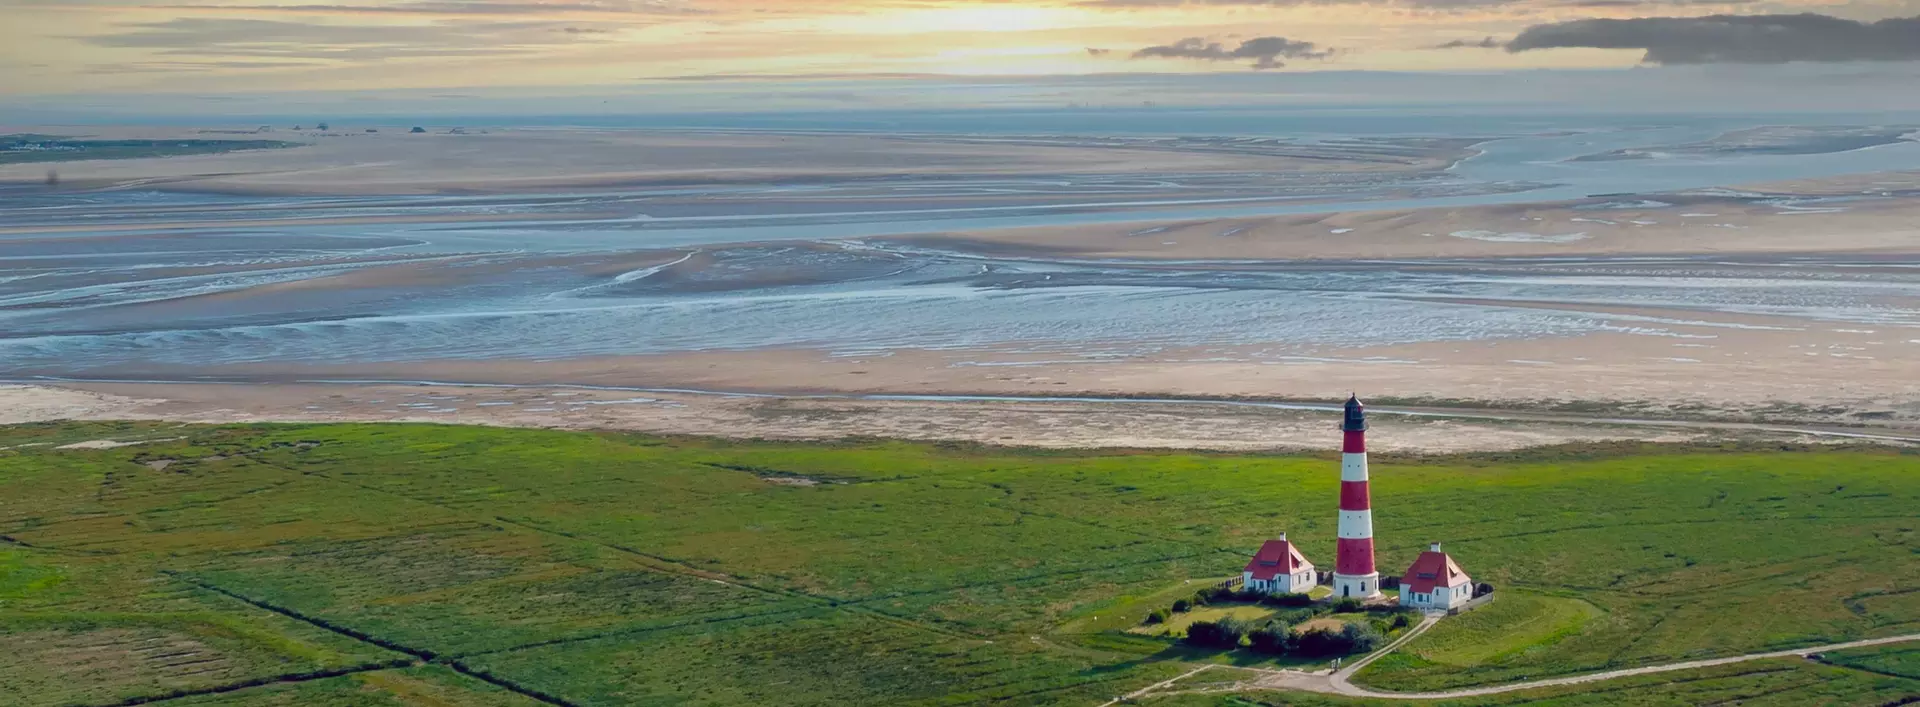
(349, 161)
(1702, 366)
(1880, 213)
(1709, 368)
(1050, 424)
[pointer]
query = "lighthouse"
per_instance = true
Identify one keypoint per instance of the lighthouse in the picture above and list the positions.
(1353, 572)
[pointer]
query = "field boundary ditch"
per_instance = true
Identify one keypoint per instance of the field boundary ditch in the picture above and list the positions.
(421, 654)
(250, 683)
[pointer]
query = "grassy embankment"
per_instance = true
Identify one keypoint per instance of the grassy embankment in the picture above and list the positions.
(62, 149)
(390, 564)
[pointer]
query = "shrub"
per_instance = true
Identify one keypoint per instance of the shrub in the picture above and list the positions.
(1360, 639)
(1181, 606)
(1348, 605)
(1275, 638)
(1296, 616)
(1327, 643)
(1482, 588)
(1319, 643)
(1294, 600)
(1216, 634)
(1159, 616)
(1402, 620)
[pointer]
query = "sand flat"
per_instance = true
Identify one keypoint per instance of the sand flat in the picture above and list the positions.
(1654, 361)
(1555, 229)
(1015, 423)
(518, 161)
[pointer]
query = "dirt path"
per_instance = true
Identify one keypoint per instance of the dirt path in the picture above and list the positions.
(1338, 682)
(1341, 686)
(1339, 678)
(1162, 685)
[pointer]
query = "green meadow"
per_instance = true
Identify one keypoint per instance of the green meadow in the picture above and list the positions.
(16, 149)
(435, 565)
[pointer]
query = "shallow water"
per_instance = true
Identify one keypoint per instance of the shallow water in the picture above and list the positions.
(867, 299)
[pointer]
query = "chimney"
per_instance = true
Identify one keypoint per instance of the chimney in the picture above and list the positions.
(1283, 536)
(1434, 547)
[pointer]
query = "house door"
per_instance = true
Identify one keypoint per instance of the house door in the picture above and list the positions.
(1346, 591)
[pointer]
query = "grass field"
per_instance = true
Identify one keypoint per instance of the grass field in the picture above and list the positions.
(1768, 683)
(1515, 625)
(1177, 624)
(413, 564)
(1895, 661)
(14, 149)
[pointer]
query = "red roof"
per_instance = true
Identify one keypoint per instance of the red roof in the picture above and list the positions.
(1433, 569)
(1275, 558)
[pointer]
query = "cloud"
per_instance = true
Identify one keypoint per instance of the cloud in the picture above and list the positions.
(1096, 51)
(1423, 4)
(1266, 52)
(820, 76)
(1488, 43)
(170, 67)
(1645, 3)
(1735, 39)
(463, 7)
(273, 39)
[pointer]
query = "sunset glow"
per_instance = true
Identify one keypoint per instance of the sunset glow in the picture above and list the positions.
(63, 46)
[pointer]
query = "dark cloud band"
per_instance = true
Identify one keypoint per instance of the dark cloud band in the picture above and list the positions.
(1735, 39)
(1264, 52)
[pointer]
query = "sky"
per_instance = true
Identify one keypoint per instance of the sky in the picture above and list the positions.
(197, 47)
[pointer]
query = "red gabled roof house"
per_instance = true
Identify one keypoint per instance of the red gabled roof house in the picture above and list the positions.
(1435, 581)
(1279, 568)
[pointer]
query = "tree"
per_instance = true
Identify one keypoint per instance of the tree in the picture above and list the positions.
(1158, 616)
(1181, 606)
(1319, 643)
(1326, 643)
(1224, 634)
(1360, 638)
(1275, 638)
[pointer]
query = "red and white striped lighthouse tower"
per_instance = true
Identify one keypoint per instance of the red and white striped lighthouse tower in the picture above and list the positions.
(1353, 572)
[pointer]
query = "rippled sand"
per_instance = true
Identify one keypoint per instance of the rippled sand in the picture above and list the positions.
(1039, 424)
(524, 161)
